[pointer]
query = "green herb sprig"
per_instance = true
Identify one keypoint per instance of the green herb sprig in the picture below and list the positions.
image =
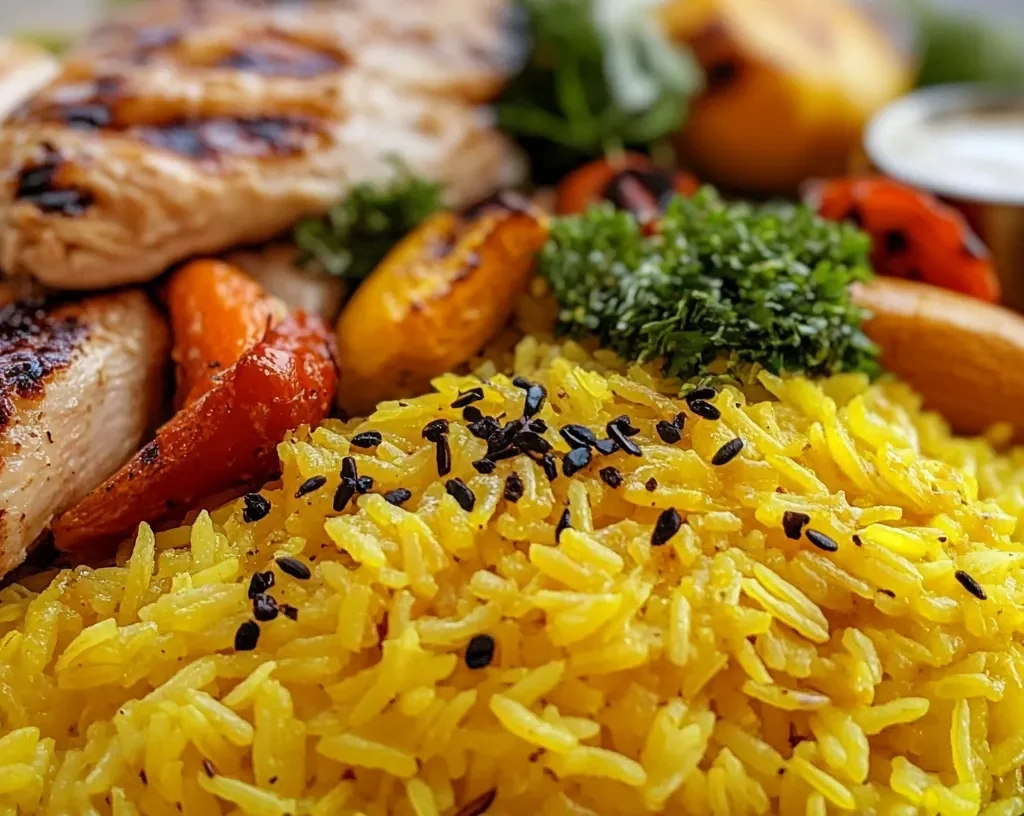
(360, 230)
(719, 287)
(600, 74)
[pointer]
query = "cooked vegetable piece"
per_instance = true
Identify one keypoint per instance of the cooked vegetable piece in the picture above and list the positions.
(630, 181)
(717, 287)
(915, 235)
(436, 299)
(960, 354)
(217, 314)
(358, 232)
(225, 438)
(790, 85)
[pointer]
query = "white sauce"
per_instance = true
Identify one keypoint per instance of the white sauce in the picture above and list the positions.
(978, 152)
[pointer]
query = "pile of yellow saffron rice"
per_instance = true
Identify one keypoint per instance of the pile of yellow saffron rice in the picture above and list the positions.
(873, 663)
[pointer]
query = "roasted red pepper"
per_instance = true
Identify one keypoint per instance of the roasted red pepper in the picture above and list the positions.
(915, 235)
(225, 438)
(631, 182)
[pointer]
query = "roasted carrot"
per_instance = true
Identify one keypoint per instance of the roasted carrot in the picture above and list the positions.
(915, 235)
(226, 435)
(963, 356)
(217, 313)
(630, 181)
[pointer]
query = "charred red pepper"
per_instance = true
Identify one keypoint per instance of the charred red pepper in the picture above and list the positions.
(224, 438)
(915, 235)
(631, 182)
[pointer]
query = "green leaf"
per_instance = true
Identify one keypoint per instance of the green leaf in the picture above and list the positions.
(599, 73)
(356, 234)
(720, 288)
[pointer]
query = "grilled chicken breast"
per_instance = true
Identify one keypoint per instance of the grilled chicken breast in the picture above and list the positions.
(80, 386)
(194, 126)
(24, 69)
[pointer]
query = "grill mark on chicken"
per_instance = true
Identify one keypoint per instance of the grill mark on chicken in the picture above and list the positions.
(38, 184)
(33, 346)
(279, 57)
(252, 136)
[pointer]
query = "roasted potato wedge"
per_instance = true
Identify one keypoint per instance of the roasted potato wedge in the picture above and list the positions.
(436, 299)
(803, 75)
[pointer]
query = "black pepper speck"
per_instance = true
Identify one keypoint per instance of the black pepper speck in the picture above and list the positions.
(513, 488)
(793, 524)
(611, 477)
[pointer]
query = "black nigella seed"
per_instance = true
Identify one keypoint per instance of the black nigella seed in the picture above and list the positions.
(506, 453)
(311, 485)
(550, 468)
(564, 523)
(502, 437)
(484, 466)
(575, 460)
(538, 425)
(398, 497)
(578, 436)
(513, 488)
(484, 428)
(247, 636)
(605, 447)
(364, 484)
(443, 456)
(264, 608)
(256, 507)
(611, 477)
(625, 424)
(665, 527)
(480, 652)
(260, 583)
(468, 397)
(857, 541)
(289, 612)
(705, 409)
(435, 430)
(706, 393)
(619, 437)
(480, 805)
(968, 582)
(668, 432)
(729, 451)
(209, 769)
(472, 414)
(535, 396)
(348, 468)
(793, 524)
(822, 541)
(367, 439)
(459, 491)
(679, 420)
(530, 442)
(521, 382)
(343, 495)
(651, 485)
(293, 567)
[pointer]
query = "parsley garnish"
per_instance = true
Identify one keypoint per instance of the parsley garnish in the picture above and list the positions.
(360, 230)
(719, 287)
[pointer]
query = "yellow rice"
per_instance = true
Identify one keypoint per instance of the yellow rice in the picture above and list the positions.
(732, 671)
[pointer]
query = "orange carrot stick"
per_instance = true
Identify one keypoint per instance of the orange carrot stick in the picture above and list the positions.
(217, 313)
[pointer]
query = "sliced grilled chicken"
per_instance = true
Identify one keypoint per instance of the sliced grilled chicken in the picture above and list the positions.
(80, 386)
(24, 69)
(275, 268)
(206, 125)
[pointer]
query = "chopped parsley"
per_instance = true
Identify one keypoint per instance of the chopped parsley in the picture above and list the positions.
(720, 287)
(361, 229)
